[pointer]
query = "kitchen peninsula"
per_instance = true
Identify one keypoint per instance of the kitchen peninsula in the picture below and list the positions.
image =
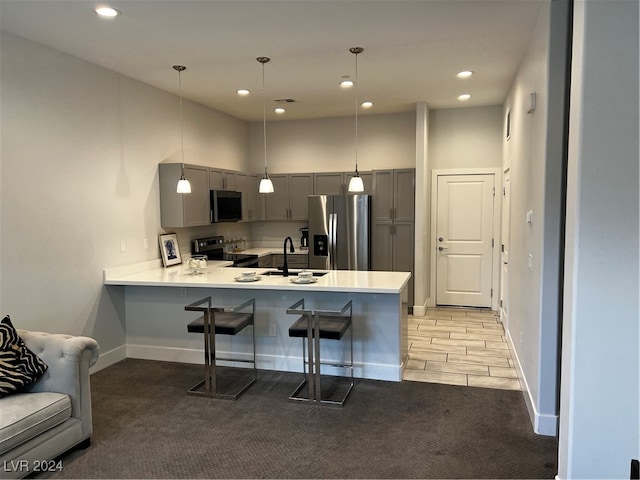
(156, 322)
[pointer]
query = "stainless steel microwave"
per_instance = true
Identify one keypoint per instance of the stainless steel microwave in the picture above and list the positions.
(226, 206)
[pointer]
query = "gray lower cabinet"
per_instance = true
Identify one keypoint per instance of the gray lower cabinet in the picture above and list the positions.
(266, 261)
(289, 198)
(293, 261)
(393, 220)
(183, 209)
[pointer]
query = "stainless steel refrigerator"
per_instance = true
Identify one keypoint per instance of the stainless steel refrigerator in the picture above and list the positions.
(340, 232)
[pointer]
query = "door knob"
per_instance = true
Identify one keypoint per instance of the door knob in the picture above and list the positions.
(441, 248)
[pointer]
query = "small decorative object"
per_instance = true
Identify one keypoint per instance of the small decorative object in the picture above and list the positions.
(197, 264)
(170, 250)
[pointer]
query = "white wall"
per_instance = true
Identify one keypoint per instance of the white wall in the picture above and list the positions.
(465, 137)
(534, 155)
(80, 148)
(328, 144)
(600, 405)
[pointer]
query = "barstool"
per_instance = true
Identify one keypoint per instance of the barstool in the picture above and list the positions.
(221, 321)
(314, 325)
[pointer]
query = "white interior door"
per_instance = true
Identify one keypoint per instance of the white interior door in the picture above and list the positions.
(464, 240)
(504, 247)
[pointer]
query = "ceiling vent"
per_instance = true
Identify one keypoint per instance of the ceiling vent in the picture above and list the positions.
(284, 100)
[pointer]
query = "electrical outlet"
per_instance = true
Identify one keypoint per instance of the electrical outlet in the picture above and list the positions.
(145, 244)
(183, 292)
(531, 262)
(123, 246)
(521, 337)
(272, 329)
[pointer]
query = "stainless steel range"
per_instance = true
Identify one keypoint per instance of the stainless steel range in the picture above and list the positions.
(213, 248)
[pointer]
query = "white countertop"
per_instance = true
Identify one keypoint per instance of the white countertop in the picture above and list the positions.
(152, 274)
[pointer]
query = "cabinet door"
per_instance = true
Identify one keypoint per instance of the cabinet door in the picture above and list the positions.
(247, 184)
(276, 204)
(382, 200)
(367, 179)
(382, 247)
(328, 183)
(403, 251)
(183, 209)
(300, 187)
(404, 195)
(196, 205)
(222, 179)
(265, 261)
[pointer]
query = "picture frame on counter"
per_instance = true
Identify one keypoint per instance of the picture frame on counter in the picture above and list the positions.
(169, 249)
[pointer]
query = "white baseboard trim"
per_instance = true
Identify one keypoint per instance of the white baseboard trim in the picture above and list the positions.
(373, 371)
(421, 310)
(543, 424)
(109, 358)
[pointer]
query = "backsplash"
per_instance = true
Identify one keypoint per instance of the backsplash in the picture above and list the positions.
(272, 234)
(243, 234)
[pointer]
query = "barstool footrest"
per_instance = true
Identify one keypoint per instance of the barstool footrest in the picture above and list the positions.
(296, 397)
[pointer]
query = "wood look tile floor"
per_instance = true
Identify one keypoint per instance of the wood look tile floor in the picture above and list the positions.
(460, 346)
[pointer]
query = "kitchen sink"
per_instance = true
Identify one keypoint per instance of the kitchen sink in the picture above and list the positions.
(292, 273)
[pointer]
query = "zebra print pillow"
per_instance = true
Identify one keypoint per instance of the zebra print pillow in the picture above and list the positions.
(19, 366)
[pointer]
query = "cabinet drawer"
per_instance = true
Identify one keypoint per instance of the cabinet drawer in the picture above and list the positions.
(265, 261)
(293, 261)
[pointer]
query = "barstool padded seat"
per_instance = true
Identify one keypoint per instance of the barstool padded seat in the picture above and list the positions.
(226, 323)
(332, 328)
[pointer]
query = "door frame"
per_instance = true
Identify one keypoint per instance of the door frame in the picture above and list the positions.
(497, 208)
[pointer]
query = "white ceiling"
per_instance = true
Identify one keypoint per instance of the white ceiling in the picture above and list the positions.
(412, 49)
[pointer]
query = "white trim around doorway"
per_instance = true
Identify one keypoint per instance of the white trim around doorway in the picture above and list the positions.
(497, 208)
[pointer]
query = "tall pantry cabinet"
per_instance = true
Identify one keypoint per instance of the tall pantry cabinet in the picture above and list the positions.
(393, 222)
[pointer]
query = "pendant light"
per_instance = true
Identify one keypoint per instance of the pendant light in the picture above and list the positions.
(355, 184)
(183, 184)
(266, 185)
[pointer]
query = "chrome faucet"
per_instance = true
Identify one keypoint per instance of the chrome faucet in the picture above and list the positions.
(285, 267)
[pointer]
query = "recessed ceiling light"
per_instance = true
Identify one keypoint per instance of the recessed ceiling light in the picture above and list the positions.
(464, 74)
(367, 104)
(279, 110)
(243, 92)
(107, 11)
(346, 82)
(464, 97)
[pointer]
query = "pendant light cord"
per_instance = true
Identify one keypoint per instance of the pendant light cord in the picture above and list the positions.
(356, 51)
(181, 125)
(180, 69)
(264, 122)
(264, 60)
(356, 114)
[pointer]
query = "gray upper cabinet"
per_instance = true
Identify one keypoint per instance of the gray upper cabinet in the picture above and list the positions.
(289, 199)
(394, 197)
(328, 183)
(183, 209)
(248, 183)
(222, 179)
(393, 219)
(337, 183)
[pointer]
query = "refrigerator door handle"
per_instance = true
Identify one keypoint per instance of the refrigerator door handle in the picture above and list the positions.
(333, 224)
